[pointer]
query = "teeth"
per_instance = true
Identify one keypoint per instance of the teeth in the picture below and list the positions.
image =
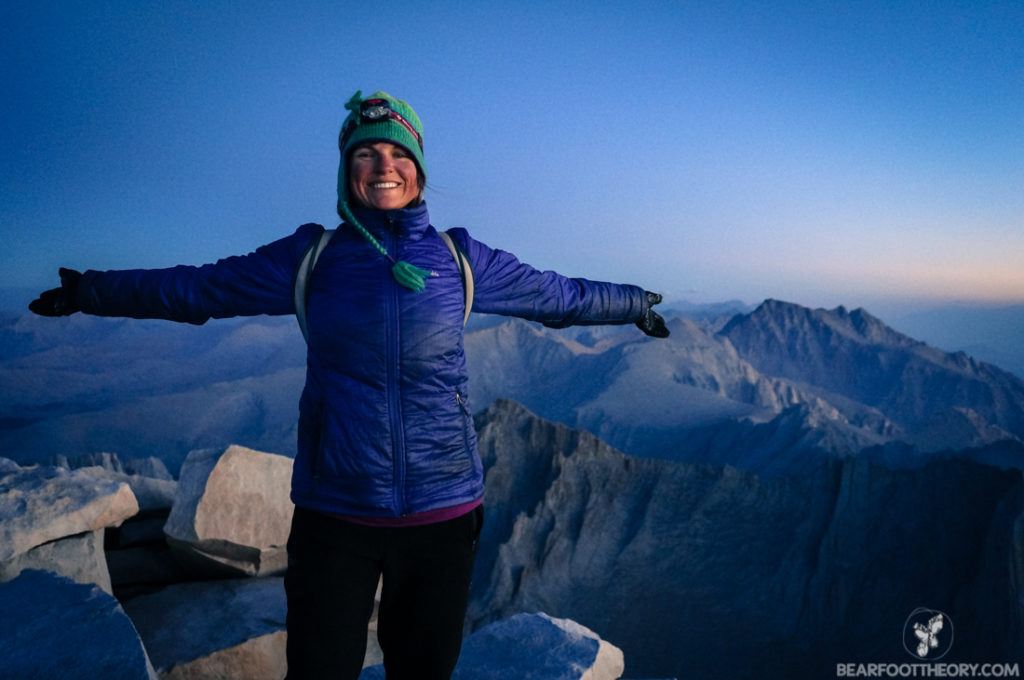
(384, 185)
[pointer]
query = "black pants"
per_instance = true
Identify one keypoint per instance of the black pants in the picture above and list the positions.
(333, 569)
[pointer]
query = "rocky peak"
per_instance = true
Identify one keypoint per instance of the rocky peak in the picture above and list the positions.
(854, 356)
(778, 320)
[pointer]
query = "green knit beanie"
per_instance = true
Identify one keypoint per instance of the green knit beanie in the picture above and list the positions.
(380, 118)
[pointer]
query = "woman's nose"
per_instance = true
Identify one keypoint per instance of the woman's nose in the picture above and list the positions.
(384, 163)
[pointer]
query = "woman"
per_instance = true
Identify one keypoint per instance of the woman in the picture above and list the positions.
(387, 480)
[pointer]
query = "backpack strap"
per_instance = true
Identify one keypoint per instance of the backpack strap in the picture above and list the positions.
(316, 247)
(465, 271)
(302, 278)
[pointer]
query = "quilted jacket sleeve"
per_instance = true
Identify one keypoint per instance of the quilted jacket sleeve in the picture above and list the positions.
(245, 285)
(504, 285)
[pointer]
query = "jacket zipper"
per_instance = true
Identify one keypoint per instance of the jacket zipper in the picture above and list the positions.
(394, 379)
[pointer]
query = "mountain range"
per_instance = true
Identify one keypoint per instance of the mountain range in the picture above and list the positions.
(761, 389)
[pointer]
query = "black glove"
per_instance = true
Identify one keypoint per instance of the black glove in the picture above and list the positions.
(651, 323)
(59, 301)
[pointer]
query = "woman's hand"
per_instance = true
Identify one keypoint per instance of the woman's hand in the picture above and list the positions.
(651, 322)
(61, 301)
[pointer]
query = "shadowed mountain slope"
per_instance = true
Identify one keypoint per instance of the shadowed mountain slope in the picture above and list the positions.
(701, 571)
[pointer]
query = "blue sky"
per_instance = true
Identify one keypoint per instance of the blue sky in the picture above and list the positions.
(823, 153)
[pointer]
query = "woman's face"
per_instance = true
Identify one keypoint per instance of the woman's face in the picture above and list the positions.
(383, 176)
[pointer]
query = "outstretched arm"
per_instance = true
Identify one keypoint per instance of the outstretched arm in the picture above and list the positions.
(504, 285)
(258, 283)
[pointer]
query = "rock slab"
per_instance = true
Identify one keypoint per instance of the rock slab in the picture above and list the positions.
(232, 512)
(149, 479)
(54, 519)
(80, 558)
(532, 647)
(536, 647)
(51, 627)
(39, 504)
(233, 628)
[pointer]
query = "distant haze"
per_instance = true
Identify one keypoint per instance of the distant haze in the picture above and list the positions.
(818, 153)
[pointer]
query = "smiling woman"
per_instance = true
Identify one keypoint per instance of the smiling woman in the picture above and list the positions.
(387, 481)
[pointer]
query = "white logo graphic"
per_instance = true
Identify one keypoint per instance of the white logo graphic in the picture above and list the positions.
(928, 634)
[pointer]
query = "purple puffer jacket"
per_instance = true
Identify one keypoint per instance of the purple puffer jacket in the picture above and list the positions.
(384, 419)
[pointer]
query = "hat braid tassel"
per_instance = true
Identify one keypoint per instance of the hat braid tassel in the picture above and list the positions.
(407, 274)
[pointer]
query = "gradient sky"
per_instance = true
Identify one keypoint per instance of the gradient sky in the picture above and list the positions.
(822, 153)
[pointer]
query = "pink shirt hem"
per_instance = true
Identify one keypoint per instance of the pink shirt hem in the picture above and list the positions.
(417, 519)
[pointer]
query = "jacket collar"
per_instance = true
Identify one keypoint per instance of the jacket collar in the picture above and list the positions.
(410, 222)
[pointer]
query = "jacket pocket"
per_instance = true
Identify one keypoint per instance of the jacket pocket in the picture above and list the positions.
(467, 421)
(311, 436)
(461, 401)
(318, 450)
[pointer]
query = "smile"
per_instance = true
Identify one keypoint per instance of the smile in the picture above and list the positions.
(384, 185)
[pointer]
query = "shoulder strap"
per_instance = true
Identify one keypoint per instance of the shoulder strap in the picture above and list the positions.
(465, 271)
(302, 278)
